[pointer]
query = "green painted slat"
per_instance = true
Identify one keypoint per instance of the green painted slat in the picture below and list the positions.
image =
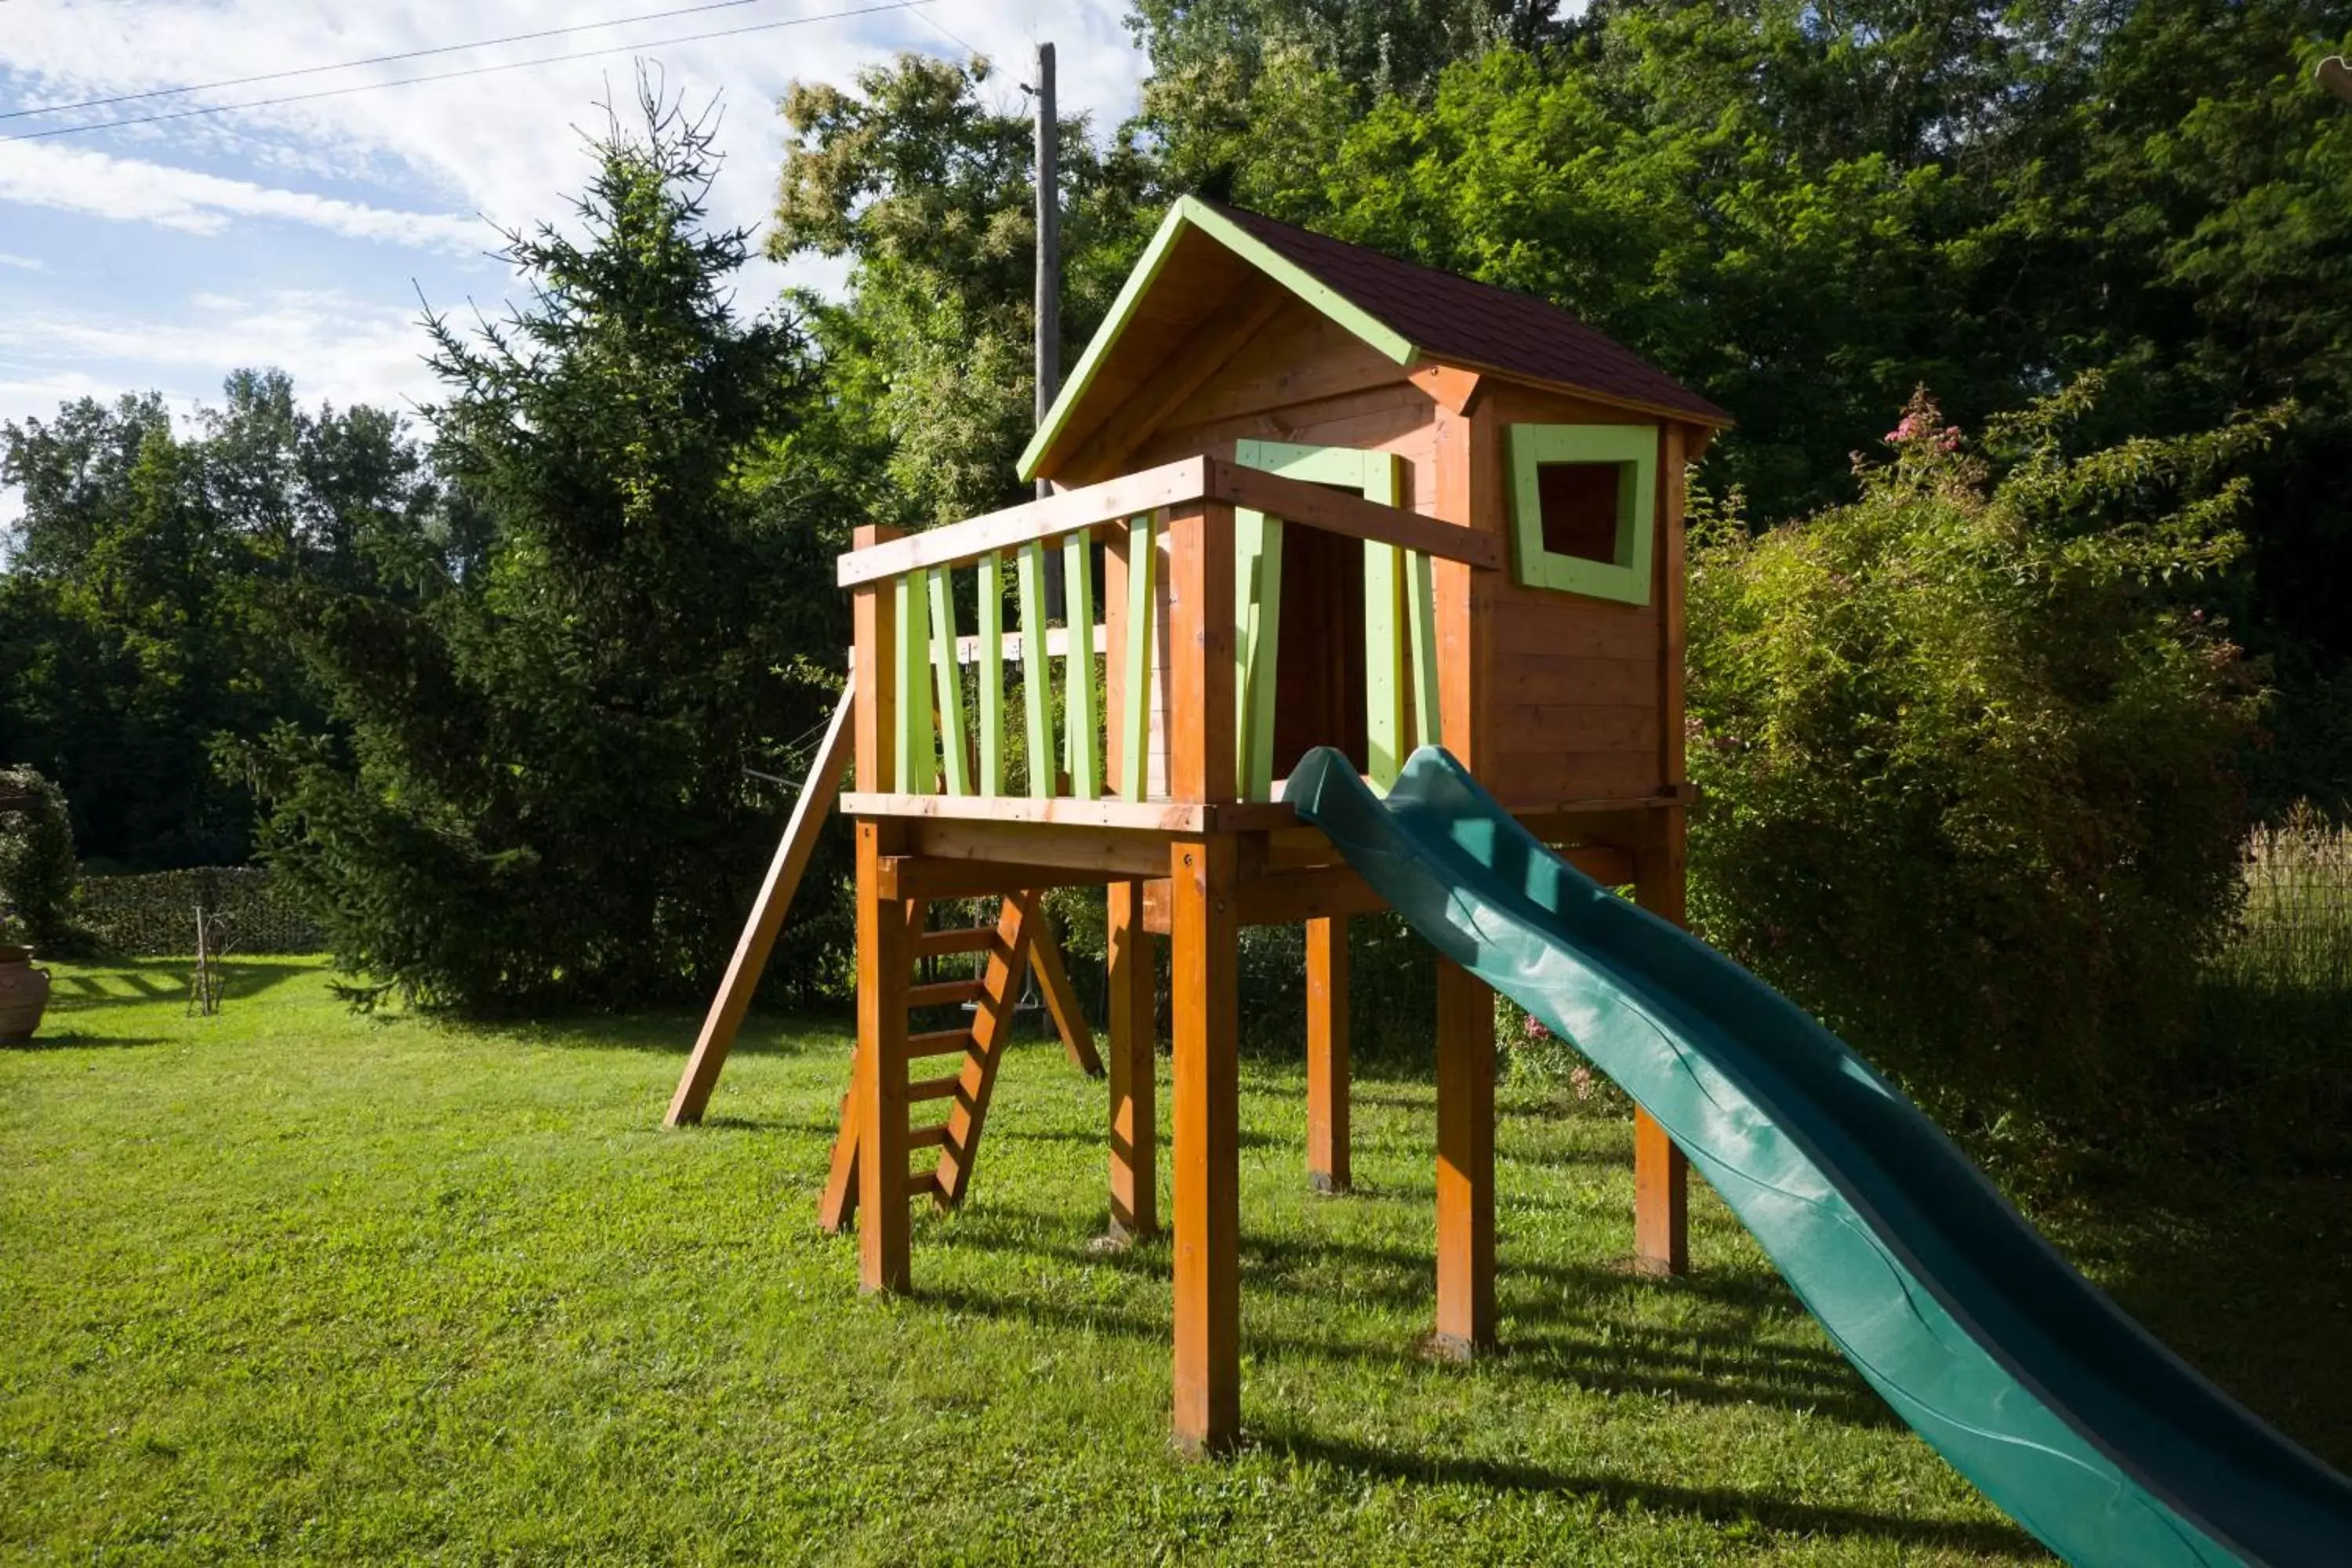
(918, 755)
(1081, 705)
(1036, 669)
(991, 675)
(1384, 684)
(1135, 683)
(1257, 644)
(951, 682)
(1420, 613)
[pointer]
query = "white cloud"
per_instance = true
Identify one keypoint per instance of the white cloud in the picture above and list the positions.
(501, 144)
(22, 263)
(335, 347)
(76, 179)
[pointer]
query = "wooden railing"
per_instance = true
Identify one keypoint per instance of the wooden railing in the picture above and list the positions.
(1175, 585)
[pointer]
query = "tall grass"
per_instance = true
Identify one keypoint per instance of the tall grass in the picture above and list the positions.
(2275, 1067)
(2295, 933)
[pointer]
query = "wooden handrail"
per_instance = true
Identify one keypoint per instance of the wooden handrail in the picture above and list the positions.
(1171, 484)
(1049, 517)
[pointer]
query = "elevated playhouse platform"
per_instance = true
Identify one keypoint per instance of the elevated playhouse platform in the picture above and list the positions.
(1317, 515)
(1308, 496)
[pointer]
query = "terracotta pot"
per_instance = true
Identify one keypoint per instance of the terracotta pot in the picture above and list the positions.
(24, 991)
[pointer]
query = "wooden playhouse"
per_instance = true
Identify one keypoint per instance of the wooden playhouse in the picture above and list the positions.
(1305, 495)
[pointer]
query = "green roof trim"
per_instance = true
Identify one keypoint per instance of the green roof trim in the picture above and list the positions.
(1193, 213)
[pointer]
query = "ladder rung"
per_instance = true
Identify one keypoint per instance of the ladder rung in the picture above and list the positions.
(938, 1043)
(927, 1137)
(923, 1185)
(947, 993)
(973, 938)
(935, 1088)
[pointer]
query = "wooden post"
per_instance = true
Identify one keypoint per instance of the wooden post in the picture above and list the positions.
(1661, 1171)
(1466, 1162)
(1134, 1115)
(885, 969)
(1205, 941)
(877, 1090)
(1205, 933)
(1326, 1053)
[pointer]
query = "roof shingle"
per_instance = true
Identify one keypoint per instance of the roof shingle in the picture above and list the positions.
(1452, 318)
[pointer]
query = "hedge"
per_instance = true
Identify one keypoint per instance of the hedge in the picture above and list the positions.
(153, 915)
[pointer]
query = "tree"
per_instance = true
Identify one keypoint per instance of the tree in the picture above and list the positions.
(1969, 756)
(138, 615)
(931, 194)
(1241, 91)
(535, 788)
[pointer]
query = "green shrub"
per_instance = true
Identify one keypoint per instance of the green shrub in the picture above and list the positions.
(37, 861)
(1968, 759)
(154, 914)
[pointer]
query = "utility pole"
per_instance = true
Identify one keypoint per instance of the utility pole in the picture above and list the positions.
(1049, 244)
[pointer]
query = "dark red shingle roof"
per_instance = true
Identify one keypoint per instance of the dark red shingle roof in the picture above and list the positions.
(1452, 318)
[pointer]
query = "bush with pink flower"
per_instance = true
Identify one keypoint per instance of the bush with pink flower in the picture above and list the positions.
(1967, 750)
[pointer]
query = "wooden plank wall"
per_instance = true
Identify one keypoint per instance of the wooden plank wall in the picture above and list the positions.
(1549, 698)
(1572, 698)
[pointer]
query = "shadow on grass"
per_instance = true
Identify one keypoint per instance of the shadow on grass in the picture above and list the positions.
(54, 1039)
(138, 981)
(1714, 1505)
(664, 1033)
(1567, 1320)
(1618, 1364)
(2249, 1281)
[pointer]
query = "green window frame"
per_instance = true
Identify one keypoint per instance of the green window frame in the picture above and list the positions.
(1625, 579)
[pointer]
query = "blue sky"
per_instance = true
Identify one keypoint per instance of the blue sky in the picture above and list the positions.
(163, 256)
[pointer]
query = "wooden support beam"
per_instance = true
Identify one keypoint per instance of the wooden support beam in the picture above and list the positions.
(1113, 851)
(924, 877)
(1326, 1053)
(1661, 1171)
(1134, 1113)
(1207, 1377)
(1291, 896)
(885, 930)
(839, 1202)
(1465, 1163)
(725, 1020)
(1336, 511)
(1062, 998)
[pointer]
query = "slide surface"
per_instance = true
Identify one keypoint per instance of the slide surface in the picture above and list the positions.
(2062, 1410)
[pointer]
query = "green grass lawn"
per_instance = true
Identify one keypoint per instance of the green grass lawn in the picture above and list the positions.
(290, 1283)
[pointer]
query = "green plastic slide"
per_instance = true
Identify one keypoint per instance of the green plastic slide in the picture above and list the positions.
(2066, 1413)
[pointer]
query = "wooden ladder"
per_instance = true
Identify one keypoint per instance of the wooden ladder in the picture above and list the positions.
(1009, 945)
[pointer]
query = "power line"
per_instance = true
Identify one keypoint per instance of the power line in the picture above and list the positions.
(371, 60)
(963, 44)
(455, 75)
